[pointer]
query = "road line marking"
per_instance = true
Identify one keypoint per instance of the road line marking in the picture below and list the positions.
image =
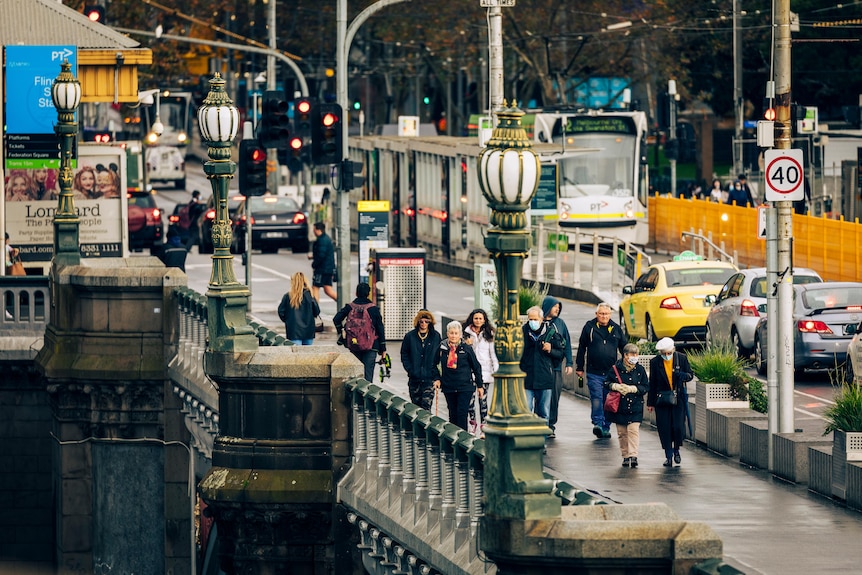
(823, 399)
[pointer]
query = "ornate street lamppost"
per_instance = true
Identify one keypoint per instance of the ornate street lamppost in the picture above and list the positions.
(227, 299)
(515, 485)
(66, 93)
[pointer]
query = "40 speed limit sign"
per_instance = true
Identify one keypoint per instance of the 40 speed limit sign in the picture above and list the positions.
(784, 177)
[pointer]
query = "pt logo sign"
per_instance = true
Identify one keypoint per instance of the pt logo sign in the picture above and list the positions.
(784, 175)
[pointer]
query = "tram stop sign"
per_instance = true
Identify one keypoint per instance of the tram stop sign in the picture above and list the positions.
(784, 175)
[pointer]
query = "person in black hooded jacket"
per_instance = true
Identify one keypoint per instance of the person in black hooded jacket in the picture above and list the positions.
(551, 308)
(419, 358)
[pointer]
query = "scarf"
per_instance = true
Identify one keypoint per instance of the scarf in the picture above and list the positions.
(452, 360)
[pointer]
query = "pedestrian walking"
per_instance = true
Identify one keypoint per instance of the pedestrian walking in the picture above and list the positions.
(322, 258)
(668, 373)
(460, 374)
(174, 253)
(630, 380)
(419, 358)
(195, 208)
(543, 349)
(479, 332)
(551, 308)
(360, 329)
(598, 347)
(716, 194)
(739, 193)
(297, 310)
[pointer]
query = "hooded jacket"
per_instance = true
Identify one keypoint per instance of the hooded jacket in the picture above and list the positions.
(560, 326)
(538, 365)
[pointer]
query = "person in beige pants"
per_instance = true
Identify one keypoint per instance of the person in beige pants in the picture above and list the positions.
(631, 381)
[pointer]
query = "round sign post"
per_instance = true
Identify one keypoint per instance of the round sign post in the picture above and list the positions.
(784, 175)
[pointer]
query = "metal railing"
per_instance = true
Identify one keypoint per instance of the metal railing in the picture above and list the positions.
(701, 243)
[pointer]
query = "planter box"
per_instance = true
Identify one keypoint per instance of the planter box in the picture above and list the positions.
(754, 443)
(854, 485)
(790, 454)
(820, 469)
(722, 428)
(846, 446)
(712, 396)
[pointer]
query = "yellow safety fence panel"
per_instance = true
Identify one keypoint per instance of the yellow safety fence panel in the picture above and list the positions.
(831, 247)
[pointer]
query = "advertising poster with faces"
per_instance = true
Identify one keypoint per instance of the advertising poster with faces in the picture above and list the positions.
(98, 182)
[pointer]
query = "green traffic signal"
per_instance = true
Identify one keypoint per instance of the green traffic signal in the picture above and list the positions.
(357, 105)
(427, 100)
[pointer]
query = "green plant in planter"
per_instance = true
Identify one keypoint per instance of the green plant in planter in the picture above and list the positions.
(645, 346)
(846, 414)
(757, 395)
(720, 363)
(528, 296)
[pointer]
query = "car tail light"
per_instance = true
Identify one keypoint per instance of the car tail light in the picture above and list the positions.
(173, 219)
(298, 218)
(812, 326)
(210, 215)
(748, 309)
(670, 303)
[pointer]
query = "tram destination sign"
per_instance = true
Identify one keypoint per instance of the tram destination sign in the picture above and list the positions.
(598, 124)
(496, 3)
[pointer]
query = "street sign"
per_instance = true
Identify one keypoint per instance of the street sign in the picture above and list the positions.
(761, 222)
(496, 3)
(784, 175)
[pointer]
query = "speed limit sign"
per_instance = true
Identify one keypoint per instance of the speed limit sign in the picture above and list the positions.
(784, 176)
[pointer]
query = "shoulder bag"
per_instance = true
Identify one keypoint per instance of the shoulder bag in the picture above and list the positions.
(612, 399)
(666, 398)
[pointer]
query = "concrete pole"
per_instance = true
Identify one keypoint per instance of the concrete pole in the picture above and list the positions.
(272, 153)
(772, 392)
(673, 95)
(342, 201)
(738, 107)
(784, 323)
(495, 61)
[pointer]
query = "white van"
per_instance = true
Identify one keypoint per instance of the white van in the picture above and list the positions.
(166, 164)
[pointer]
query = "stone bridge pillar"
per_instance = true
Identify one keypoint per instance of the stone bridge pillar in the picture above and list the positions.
(121, 491)
(284, 442)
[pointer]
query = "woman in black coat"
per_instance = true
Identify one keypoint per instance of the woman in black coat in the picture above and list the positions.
(629, 379)
(669, 371)
(460, 374)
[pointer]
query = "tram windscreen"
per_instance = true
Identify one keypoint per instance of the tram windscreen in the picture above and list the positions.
(606, 172)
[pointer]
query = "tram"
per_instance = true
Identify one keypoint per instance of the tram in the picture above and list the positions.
(605, 191)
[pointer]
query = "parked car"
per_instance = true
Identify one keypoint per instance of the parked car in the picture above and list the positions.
(853, 371)
(734, 315)
(207, 217)
(825, 318)
(671, 299)
(276, 222)
(146, 229)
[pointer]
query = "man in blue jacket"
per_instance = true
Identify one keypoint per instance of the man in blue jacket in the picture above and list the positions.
(551, 308)
(600, 344)
(322, 258)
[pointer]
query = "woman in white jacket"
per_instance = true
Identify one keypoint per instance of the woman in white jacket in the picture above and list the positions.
(479, 332)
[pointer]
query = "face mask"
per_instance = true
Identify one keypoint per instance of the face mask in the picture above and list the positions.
(632, 360)
(667, 356)
(534, 324)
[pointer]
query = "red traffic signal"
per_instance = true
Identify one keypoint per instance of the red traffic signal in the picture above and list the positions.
(252, 168)
(95, 13)
(769, 114)
(326, 137)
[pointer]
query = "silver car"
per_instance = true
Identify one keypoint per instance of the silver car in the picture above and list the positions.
(737, 308)
(853, 372)
(825, 318)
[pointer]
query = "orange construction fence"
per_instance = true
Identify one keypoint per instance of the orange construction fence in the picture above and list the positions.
(831, 247)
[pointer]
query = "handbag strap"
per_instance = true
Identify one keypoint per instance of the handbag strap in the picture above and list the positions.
(616, 371)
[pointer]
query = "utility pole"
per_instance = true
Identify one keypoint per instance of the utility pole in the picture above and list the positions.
(672, 97)
(271, 154)
(784, 320)
(495, 57)
(738, 107)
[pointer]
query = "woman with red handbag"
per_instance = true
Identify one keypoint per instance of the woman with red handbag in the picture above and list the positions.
(629, 380)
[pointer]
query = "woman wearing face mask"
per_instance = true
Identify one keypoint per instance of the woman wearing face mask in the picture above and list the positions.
(669, 371)
(543, 349)
(630, 380)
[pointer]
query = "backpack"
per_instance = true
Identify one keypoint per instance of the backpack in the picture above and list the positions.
(359, 329)
(185, 221)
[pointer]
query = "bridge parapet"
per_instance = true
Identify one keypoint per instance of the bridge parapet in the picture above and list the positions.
(26, 312)
(417, 482)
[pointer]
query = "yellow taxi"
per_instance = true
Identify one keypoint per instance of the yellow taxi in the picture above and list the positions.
(672, 299)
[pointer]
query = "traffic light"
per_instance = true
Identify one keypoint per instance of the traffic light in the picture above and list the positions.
(304, 110)
(351, 175)
(295, 154)
(768, 110)
(326, 139)
(273, 130)
(252, 168)
(95, 13)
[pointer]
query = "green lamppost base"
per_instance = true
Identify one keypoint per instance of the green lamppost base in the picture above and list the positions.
(66, 250)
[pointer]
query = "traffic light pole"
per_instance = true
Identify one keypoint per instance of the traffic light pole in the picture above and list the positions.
(342, 203)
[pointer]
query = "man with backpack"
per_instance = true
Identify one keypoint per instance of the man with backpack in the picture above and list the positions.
(360, 328)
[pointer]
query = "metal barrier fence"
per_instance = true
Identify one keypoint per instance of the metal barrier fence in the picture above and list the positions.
(831, 247)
